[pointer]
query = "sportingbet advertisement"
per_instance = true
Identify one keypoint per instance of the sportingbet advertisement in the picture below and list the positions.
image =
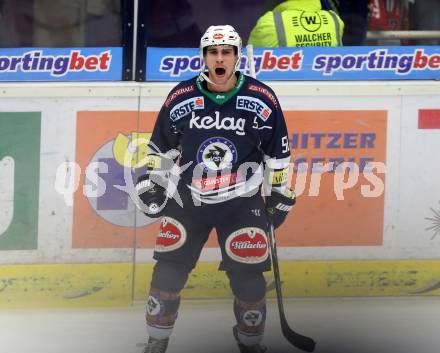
(309, 63)
(61, 64)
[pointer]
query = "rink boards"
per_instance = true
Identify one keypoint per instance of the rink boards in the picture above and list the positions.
(68, 228)
(110, 284)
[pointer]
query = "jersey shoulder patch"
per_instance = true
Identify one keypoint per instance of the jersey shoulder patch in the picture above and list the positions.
(264, 91)
(182, 89)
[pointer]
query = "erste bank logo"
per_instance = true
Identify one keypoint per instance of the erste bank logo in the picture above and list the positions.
(184, 108)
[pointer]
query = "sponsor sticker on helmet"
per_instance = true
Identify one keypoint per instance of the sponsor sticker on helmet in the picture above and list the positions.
(172, 235)
(186, 107)
(254, 105)
(248, 245)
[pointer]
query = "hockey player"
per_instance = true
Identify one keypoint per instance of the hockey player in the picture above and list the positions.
(227, 133)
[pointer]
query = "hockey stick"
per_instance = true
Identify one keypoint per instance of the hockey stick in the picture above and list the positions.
(299, 341)
(250, 60)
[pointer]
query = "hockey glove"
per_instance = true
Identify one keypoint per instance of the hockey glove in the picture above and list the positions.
(279, 205)
(151, 189)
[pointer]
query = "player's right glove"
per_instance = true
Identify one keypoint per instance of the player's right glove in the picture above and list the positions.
(151, 189)
(279, 205)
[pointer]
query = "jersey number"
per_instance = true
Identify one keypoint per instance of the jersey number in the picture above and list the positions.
(285, 144)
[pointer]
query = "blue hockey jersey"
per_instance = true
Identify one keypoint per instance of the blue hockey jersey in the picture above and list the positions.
(226, 144)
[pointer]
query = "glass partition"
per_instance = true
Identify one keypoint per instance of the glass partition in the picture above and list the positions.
(180, 23)
(68, 24)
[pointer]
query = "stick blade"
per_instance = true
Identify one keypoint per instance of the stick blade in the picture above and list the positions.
(299, 341)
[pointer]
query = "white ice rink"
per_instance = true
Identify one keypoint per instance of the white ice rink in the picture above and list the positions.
(353, 325)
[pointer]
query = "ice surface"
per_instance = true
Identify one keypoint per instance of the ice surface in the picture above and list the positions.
(354, 325)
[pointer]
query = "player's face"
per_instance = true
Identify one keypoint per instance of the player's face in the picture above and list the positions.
(220, 60)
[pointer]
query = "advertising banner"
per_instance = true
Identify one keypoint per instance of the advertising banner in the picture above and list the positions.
(104, 214)
(61, 64)
(309, 63)
(340, 192)
(338, 173)
(19, 179)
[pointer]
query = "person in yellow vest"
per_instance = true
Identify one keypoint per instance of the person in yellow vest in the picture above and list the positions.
(298, 23)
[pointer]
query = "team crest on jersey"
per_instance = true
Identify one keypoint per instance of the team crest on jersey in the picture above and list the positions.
(248, 245)
(254, 105)
(217, 153)
(172, 235)
(186, 107)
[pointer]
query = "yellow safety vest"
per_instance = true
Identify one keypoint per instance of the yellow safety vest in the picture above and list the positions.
(297, 28)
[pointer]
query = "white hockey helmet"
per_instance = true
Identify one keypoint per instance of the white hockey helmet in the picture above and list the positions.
(218, 35)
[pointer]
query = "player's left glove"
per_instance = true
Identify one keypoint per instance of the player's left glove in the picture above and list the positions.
(279, 205)
(151, 189)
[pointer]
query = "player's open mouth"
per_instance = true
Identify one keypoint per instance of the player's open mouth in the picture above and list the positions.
(219, 71)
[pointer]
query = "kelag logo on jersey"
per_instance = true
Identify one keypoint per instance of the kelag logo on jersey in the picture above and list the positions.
(187, 106)
(207, 122)
(253, 105)
(217, 153)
